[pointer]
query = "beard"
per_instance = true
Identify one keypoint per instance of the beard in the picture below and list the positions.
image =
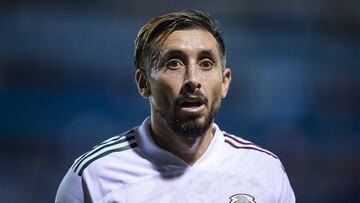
(190, 127)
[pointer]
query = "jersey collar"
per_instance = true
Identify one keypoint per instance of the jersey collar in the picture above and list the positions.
(163, 157)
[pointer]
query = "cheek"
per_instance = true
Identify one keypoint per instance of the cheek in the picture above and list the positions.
(217, 93)
(215, 97)
(215, 85)
(164, 92)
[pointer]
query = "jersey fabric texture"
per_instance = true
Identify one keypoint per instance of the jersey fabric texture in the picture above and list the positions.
(131, 168)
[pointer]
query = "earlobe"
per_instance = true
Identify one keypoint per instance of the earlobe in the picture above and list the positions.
(226, 82)
(142, 83)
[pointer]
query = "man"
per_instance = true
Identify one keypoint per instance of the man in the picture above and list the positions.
(178, 154)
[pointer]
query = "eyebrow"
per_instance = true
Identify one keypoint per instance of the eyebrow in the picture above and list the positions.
(207, 53)
(172, 53)
(181, 54)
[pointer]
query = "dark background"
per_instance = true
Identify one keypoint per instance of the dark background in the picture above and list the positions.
(67, 83)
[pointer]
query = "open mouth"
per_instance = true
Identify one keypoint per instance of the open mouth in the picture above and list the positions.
(191, 104)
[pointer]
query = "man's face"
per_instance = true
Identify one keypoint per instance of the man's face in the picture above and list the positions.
(187, 86)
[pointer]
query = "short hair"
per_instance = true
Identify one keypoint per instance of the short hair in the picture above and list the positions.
(153, 34)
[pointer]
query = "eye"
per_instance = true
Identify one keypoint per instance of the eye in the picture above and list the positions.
(174, 64)
(206, 64)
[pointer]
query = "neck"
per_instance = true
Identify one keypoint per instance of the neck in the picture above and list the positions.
(189, 150)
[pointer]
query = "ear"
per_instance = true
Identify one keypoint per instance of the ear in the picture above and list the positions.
(225, 82)
(142, 82)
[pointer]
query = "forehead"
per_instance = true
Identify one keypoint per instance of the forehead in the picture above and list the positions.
(190, 40)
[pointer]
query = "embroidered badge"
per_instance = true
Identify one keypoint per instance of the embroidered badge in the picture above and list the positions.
(242, 198)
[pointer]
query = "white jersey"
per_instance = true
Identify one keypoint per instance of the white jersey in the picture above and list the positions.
(131, 168)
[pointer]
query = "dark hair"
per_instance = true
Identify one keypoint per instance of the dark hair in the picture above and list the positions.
(153, 34)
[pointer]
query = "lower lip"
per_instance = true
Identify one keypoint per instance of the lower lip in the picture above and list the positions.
(196, 109)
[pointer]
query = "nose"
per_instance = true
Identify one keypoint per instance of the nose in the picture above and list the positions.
(191, 80)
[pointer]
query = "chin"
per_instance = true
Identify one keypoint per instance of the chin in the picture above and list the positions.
(188, 125)
(184, 117)
(199, 121)
(192, 126)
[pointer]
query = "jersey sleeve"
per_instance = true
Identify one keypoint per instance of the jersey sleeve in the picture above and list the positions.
(285, 192)
(70, 189)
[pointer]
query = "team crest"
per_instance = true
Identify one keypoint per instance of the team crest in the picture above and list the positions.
(242, 198)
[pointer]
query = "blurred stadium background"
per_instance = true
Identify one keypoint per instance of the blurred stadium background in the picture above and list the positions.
(66, 83)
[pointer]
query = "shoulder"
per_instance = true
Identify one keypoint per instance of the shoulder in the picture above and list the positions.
(70, 189)
(259, 162)
(100, 170)
(103, 153)
(243, 152)
(239, 144)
